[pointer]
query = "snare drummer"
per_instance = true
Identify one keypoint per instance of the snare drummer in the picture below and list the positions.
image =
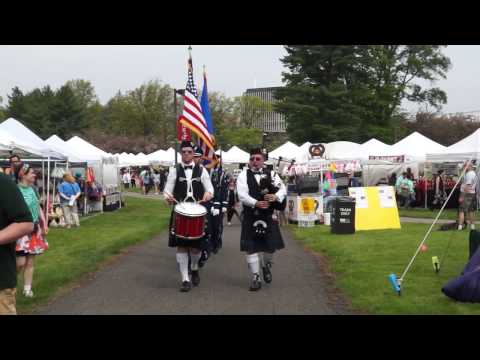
(176, 191)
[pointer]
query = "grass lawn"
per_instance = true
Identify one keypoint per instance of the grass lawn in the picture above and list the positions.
(76, 252)
(449, 214)
(363, 261)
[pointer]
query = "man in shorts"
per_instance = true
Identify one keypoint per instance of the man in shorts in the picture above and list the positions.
(467, 200)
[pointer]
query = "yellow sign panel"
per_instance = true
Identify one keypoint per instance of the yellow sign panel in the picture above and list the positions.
(375, 208)
(307, 206)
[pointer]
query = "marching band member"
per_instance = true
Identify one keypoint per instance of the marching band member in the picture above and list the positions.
(197, 158)
(176, 191)
(219, 179)
(261, 192)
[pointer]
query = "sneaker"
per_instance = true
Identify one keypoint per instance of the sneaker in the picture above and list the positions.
(195, 278)
(256, 284)
(460, 227)
(186, 286)
(229, 223)
(28, 293)
(472, 226)
(267, 274)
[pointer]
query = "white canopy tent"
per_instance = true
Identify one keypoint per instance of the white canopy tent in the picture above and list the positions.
(169, 157)
(105, 166)
(374, 147)
(235, 156)
(468, 148)
(415, 147)
(83, 149)
(58, 144)
(22, 137)
(286, 151)
(157, 156)
(8, 145)
(342, 150)
(142, 160)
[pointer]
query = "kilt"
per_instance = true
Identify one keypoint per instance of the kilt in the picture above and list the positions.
(248, 243)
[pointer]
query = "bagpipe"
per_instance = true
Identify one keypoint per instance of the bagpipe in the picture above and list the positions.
(268, 187)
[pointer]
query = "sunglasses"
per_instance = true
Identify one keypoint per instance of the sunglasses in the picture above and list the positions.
(256, 158)
(187, 151)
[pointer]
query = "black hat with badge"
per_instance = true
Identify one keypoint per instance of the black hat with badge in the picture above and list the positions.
(259, 151)
(186, 144)
(197, 151)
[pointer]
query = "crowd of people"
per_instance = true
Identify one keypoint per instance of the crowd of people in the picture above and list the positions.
(24, 224)
(146, 179)
(411, 192)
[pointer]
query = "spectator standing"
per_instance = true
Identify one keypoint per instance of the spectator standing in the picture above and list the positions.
(15, 222)
(33, 244)
(69, 192)
(467, 200)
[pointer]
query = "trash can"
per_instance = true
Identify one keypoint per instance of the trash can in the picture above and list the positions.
(343, 215)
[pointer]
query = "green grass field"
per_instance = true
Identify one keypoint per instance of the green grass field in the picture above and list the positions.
(76, 252)
(363, 261)
(447, 214)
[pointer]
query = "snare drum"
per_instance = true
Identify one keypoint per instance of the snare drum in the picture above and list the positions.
(189, 220)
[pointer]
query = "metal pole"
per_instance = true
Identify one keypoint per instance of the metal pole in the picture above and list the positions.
(48, 189)
(176, 127)
(43, 178)
(426, 188)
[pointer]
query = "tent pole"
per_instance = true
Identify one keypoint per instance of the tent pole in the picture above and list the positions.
(48, 188)
(426, 187)
(43, 178)
(53, 190)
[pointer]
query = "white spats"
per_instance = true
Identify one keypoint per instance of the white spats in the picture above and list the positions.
(267, 258)
(253, 262)
(182, 259)
(194, 260)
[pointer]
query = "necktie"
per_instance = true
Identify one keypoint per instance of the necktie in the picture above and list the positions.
(188, 167)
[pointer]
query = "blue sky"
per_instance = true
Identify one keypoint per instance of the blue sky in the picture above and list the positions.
(231, 69)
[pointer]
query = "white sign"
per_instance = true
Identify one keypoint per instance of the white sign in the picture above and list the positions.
(387, 197)
(360, 195)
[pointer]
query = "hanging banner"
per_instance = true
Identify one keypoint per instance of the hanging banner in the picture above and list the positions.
(183, 133)
(395, 159)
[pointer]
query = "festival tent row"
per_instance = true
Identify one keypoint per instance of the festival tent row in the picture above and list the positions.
(414, 147)
(16, 136)
(463, 150)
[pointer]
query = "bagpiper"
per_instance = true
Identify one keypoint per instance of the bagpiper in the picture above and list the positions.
(261, 191)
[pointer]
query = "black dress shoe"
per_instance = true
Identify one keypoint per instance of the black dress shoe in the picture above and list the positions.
(195, 278)
(186, 286)
(267, 274)
(256, 284)
(203, 258)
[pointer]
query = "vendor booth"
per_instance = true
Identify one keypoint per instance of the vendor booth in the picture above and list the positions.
(451, 161)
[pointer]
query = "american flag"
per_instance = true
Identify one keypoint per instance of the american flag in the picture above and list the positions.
(192, 116)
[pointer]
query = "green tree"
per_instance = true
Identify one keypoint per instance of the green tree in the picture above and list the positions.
(242, 137)
(146, 111)
(33, 109)
(84, 92)
(88, 99)
(3, 112)
(68, 113)
(353, 92)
